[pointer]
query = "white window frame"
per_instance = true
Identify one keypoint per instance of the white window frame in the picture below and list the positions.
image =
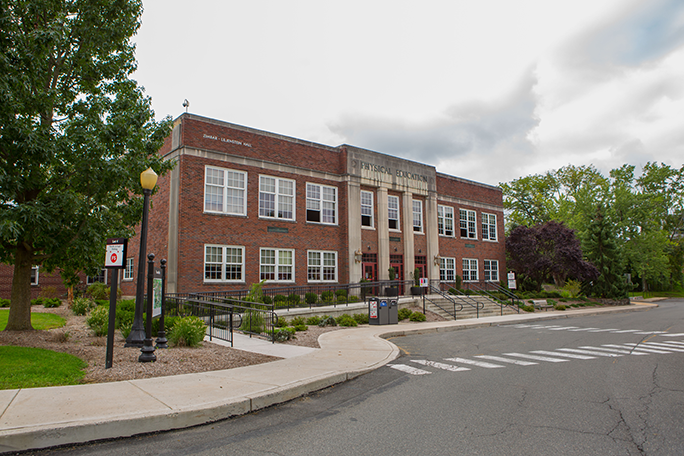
(393, 212)
(281, 197)
(469, 223)
(128, 270)
(279, 268)
(470, 272)
(488, 227)
(224, 263)
(34, 276)
(417, 216)
(367, 209)
(445, 216)
(226, 190)
(317, 264)
(318, 203)
(103, 272)
(491, 274)
(447, 269)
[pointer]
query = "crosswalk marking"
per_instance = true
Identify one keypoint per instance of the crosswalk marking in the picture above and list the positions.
(602, 330)
(409, 369)
(589, 352)
(474, 363)
(442, 366)
(626, 331)
(674, 342)
(566, 355)
(651, 332)
(672, 335)
(506, 360)
(611, 330)
(537, 358)
(656, 350)
(583, 329)
(665, 346)
(563, 327)
(614, 350)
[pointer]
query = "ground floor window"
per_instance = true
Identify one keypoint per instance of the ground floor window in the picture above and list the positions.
(101, 277)
(34, 275)
(276, 265)
(469, 270)
(491, 270)
(447, 269)
(128, 271)
(322, 266)
(224, 263)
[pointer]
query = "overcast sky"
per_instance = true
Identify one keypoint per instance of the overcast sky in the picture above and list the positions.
(488, 90)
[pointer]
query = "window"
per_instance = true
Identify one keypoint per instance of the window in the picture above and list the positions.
(321, 204)
(469, 270)
(223, 263)
(393, 212)
(224, 191)
(467, 219)
(322, 266)
(276, 198)
(447, 269)
(34, 275)
(128, 271)
(101, 277)
(489, 227)
(417, 216)
(491, 270)
(445, 220)
(277, 265)
(367, 209)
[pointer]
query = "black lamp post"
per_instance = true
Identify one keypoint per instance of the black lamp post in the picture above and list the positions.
(148, 179)
(147, 349)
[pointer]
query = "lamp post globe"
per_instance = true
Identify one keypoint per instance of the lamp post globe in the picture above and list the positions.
(136, 338)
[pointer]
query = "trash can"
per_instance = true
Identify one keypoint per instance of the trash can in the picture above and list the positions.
(383, 311)
(393, 312)
(373, 315)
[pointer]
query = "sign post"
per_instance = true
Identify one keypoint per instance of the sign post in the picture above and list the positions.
(424, 283)
(115, 259)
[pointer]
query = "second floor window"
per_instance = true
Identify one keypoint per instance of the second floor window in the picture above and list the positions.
(321, 204)
(393, 212)
(445, 220)
(417, 216)
(489, 227)
(225, 191)
(276, 198)
(467, 219)
(367, 209)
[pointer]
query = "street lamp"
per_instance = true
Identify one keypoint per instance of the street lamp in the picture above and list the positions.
(148, 179)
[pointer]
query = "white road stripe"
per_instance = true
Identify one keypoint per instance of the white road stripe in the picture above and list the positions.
(506, 360)
(624, 352)
(409, 369)
(674, 342)
(602, 330)
(672, 335)
(442, 366)
(662, 351)
(651, 332)
(664, 346)
(589, 352)
(626, 331)
(566, 355)
(564, 327)
(537, 358)
(474, 363)
(583, 329)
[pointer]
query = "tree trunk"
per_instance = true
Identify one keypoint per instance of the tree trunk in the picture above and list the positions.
(20, 302)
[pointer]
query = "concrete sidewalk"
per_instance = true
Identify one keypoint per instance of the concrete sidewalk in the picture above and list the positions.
(43, 417)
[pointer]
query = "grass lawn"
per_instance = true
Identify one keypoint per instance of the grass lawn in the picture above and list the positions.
(23, 367)
(39, 320)
(658, 294)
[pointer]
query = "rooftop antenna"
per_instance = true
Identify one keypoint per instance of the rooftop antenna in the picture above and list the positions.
(186, 104)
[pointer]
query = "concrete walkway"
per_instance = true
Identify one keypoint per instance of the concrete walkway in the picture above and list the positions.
(44, 417)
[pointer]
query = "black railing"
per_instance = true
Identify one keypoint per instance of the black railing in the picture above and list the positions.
(436, 290)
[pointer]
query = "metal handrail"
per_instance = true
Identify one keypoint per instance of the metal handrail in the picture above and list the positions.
(482, 290)
(446, 296)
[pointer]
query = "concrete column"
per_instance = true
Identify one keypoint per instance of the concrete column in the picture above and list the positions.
(172, 254)
(354, 230)
(409, 249)
(383, 235)
(432, 233)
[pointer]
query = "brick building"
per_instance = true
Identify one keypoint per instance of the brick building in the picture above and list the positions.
(243, 205)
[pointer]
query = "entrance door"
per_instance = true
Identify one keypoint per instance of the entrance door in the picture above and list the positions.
(370, 273)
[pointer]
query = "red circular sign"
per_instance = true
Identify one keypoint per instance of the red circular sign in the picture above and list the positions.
(113, 258)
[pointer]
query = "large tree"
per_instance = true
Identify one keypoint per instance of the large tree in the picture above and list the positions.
(547, 251)
(75, 133)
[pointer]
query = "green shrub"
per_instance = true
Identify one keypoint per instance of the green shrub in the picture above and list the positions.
(279, 299)
(37, 302)
(300, 327)
(102, 302)
(267, 300)
(468, 292)
(559, 307)
(81, 306)
(283, 334)
(404, 314)
(457, 281)
(4, 302)
(342, 292)
(361, 318)
(252, 321)
(551, 302)
(327, 296)
(282, 322)
(98, 290)
(346, 320)
(327, 321)
(313, 320)
(527, 308)
(48, 292)
(353, 298)
(127, 304)
(126, 329)
(187, 331)
(417, 316)
(98, 321)
(453, 291)
(51, 302)
(311, 298)
(293, 299)
(298, 321)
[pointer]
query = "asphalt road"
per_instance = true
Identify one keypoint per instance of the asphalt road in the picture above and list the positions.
(563, 387)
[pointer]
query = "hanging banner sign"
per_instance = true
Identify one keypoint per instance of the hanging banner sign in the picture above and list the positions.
(116, 253)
